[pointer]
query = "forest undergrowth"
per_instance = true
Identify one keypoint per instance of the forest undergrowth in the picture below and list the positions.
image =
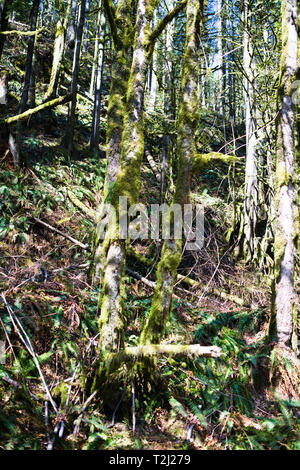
(49, 319)
(207, 403)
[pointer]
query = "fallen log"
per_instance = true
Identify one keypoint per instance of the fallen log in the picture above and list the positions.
(48, 105)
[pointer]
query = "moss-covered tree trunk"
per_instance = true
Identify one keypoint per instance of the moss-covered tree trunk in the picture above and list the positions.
(152, 75)
(58, 49)
(122, 33)
(286, 229)
(86, 28)
(120, 71)
(188, 118)
(127, 184)
(32, 83)
(122, 39)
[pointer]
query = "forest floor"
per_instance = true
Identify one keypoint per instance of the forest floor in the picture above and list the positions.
(44, 282)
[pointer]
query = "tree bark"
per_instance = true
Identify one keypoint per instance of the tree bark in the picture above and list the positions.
(188, 120)
(30, 51)
(286, 231)
(3, 22)
(75, 71)
(87, 28)
(127, 185)
(94, 145)
(169, 109)
(116, 110)
(41, 107)
(71, 32)
(58, 49)
(152, 75)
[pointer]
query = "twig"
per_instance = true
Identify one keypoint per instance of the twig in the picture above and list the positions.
(116, 409)
(133, 407)
(65, 235)
(78, 420)
(27, 343)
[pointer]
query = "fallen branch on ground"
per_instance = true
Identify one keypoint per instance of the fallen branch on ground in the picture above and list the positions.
(65, 235)
(187, 280)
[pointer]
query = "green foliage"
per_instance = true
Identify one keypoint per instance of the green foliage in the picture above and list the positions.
(22, 197)
(220, 393)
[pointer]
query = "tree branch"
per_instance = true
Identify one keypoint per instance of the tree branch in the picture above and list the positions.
(204, 160)
(21, 33)
(65, 235)
(110, 11)
(41, 107)
(132, 354)
(167, 19)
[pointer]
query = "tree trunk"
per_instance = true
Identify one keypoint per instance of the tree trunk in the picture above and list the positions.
(58, 49)
(71, 33)
(169, 108)
(115, 114)
(284, 311)
(42, 9)
(96, 52)
(3, 22)
(127, 184)
(97, 102)
(87, 28)
(75, 71)
(188, 119)
(30, 50)
(152, 75)
(31, 90)
(251, 172)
